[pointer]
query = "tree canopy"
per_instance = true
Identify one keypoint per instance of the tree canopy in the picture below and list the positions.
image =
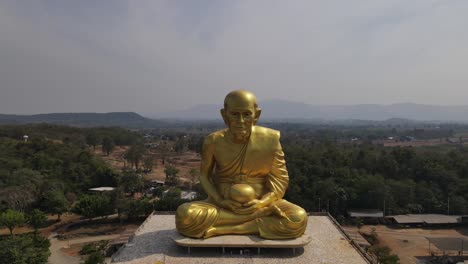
(12, 219)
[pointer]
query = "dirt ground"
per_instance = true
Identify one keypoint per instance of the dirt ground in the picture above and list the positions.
(98, 230)
(73, 250)
(67, 250)
(410, 242)
(184, 162)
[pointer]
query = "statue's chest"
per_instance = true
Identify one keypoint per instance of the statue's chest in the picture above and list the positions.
(253, 157)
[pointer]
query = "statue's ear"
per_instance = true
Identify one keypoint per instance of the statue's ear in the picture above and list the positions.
(258, 112)
(223, 114)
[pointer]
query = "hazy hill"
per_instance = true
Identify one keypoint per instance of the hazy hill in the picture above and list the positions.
(122, 119)
(283, 110)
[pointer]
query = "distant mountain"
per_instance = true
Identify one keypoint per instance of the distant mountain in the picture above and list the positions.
(122, 119)
(286, 110)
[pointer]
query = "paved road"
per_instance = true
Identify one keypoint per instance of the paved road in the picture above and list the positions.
(59, 257)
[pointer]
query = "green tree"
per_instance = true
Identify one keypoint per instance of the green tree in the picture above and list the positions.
(384, 255)
(173, 193)
(36, 219)
(22, 188)
(458, 205)
(135, 209)
(134, 155)
(91, 206)
(157, 191)
(131, 182)
(95, 252)
(180, 145)
(11, 219)
(195, 143)
(172, 179)
(169, 204)
(23, 249)
(148, 164)
(18, 197)
(55, 202)
(108, 145)
(95, 258)
(92, 140)
(164, 149)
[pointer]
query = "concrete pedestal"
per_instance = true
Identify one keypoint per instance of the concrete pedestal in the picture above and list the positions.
(237, 241)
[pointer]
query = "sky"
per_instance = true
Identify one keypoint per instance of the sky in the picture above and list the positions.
(151, 56)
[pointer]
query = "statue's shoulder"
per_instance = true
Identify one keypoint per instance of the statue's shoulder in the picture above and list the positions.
(215, 136)
(266, 133)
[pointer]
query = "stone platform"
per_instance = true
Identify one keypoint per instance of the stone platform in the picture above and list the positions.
(154, 243)
(233, 241)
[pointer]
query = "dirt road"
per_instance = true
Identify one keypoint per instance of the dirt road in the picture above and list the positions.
(57, 256)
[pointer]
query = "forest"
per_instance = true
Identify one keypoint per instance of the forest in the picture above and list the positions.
(50, 171)
(325, 174)
(339, 177)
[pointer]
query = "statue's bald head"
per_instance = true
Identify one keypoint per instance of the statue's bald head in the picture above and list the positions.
(240, 97)
(240, 106)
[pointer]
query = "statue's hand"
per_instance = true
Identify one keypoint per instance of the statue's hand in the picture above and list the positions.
(261, 212)
(230, 205)
(250, 207)
(255, 203)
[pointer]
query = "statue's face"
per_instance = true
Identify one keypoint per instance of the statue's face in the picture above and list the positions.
(239, 115)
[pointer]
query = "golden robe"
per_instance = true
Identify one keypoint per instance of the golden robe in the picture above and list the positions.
(259, 163)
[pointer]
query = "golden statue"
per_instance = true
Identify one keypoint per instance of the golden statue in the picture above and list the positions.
(243, 171)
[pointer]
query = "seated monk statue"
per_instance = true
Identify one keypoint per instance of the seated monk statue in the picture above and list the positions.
(244, 173)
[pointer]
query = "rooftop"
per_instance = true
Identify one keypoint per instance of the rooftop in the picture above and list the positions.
(366, 213)
(450, 243)
(153, 243)
(102, 189)
(425, 219)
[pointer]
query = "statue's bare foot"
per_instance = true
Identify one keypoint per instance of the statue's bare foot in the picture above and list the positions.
(210, 232)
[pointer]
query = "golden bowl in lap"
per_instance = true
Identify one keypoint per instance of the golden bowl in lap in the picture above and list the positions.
(242, 193)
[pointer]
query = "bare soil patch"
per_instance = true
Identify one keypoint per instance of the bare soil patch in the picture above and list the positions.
(410, 242)
(184, 162)
(73, 250)
(97, 229)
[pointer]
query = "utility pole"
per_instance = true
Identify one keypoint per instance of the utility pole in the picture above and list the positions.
(448, 205)
(384, 207)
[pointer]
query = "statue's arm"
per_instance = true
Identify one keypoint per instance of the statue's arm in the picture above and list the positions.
(207, 164)
(278, 178)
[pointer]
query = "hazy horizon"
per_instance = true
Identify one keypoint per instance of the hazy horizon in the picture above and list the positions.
(219, 105)
(160, 56)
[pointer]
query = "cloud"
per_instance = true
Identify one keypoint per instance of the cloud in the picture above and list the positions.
(151, 56)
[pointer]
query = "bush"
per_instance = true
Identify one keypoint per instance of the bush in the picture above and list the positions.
(169, 204)
(95, 258)
(91, 206)
(157, 191)
(12, 219)
(88, 249)
(93, 247)
(24, 249)
(135, 209)
(384, 255)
